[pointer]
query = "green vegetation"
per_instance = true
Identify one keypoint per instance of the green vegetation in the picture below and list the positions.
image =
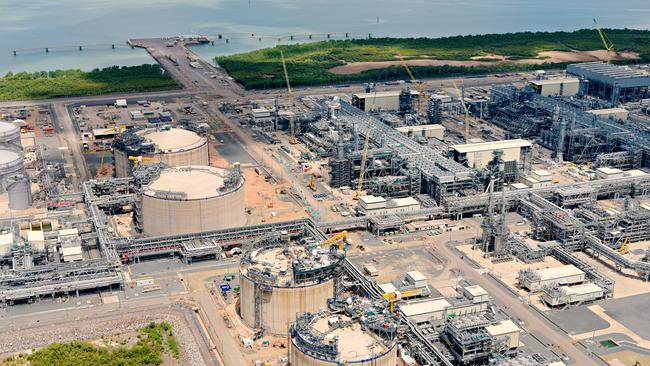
(153, 341)
(309, 63)
(68, 83)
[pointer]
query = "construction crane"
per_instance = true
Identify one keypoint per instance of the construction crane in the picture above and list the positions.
(292, 125)
(418, 86)
(337, 239)
(362, 168)
(609, 46)
(462, 101)
(624, 249)
(138, 159)
(391, 297)
(312, 182)
(102, 170)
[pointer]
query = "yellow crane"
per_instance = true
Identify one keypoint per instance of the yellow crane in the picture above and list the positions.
(362, 168)
(623, 249)
(312, 182)
(138, 159)
(462, 101)
(102, 170)
(422, 101)
(609, 46)
(292, 126)
(336, 239)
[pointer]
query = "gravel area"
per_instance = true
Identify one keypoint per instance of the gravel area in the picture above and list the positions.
(17, 341)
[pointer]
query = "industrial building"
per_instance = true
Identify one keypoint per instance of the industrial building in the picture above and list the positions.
(173, 147)
(535, 281)
(280, 279)
(383, 100)
(562, 295)
(379, 206)
(514, 154)
(413, 285)
(192, 199)
(427, 131)
(612, 83)
(470, 300)
(617, 114)
(567, 87)
(357, 334)
(506, 333)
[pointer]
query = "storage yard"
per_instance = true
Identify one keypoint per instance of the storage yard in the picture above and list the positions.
(406, 223)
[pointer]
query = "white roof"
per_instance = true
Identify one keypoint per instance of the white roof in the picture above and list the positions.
(35, 235)
(188, 183)
(120, 101)
(634, 173)
(71, 251)
(518, 186)
(424, 307)
(491, 145)
(7, 238)
(372, 199)
(608, 111)
(104, 131)
(558, 272)
(173, 139)
(475, 290)
(416, 276)
(501, 328)
(380, 94)
(387, 288)
(555, 81)
(586, 288)
(608, 171)
(406, 201)
(542, 172)
(65, 232)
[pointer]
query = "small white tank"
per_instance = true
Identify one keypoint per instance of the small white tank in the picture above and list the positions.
(10, 135)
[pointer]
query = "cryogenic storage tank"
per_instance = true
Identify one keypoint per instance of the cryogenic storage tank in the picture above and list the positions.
(192, 199)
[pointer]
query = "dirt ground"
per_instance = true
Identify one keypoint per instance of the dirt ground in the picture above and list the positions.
(627, 282)
(626, 358)
(542, 57)
(266, 201)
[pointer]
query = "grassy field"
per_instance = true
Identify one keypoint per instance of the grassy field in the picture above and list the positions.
(67, 83)
(309, 63)
(148, 348)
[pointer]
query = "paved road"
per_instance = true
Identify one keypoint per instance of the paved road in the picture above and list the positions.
(71, 137)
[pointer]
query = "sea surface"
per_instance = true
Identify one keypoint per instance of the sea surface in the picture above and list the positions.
(33, 25)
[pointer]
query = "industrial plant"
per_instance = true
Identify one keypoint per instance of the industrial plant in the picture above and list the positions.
(491, 220)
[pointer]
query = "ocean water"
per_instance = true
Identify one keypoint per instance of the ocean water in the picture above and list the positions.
(36, 24)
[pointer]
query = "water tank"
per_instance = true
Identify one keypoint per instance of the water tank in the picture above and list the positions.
(20, 191)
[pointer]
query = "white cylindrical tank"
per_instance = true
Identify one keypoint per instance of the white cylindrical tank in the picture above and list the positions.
(274, 289)
(20, 191)
(10, 135)
(173, 147)
(331, 339)
(192, 199)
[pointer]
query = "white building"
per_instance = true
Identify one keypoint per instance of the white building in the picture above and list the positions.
(613, 113)
(478, 155)
(505, 332)
(384, 100)
(429, 131)
(535, 281)
(562, 295)
(567, 87)
(379, 206)
(608, 173)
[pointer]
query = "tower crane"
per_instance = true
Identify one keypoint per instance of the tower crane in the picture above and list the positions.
(462, 101)
(362, 168)
(292, 126)
(609, 46)
(418, 86)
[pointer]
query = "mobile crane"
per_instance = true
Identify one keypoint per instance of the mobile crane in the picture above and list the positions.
(292, 126)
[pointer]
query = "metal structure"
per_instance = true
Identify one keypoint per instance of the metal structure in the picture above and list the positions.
(615, 84)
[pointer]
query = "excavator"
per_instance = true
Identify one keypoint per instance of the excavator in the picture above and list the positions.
(624, 249)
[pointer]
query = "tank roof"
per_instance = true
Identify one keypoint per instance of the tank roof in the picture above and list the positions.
(291, 265)
(10, 156)
(354, 343)
(191, 183)
(173, 139)
(7, 128)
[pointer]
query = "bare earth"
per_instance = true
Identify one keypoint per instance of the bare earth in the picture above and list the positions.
(542, 57)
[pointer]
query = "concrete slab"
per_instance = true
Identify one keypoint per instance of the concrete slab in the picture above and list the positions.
(630, 311)
(577, 320)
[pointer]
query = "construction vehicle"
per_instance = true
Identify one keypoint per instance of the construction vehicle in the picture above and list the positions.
(336, 239)
(418, 86)
(292, 125)
(624, 249)
(138, 159)
(609, 46)
(102, 170)
(362, 168)
(461, 96)
(312, 182)
(391, 297)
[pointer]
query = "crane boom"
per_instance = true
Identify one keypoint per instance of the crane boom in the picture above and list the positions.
(422, 98)
(609, 46)
(362, 169)
(292, 126)
(335, 239)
